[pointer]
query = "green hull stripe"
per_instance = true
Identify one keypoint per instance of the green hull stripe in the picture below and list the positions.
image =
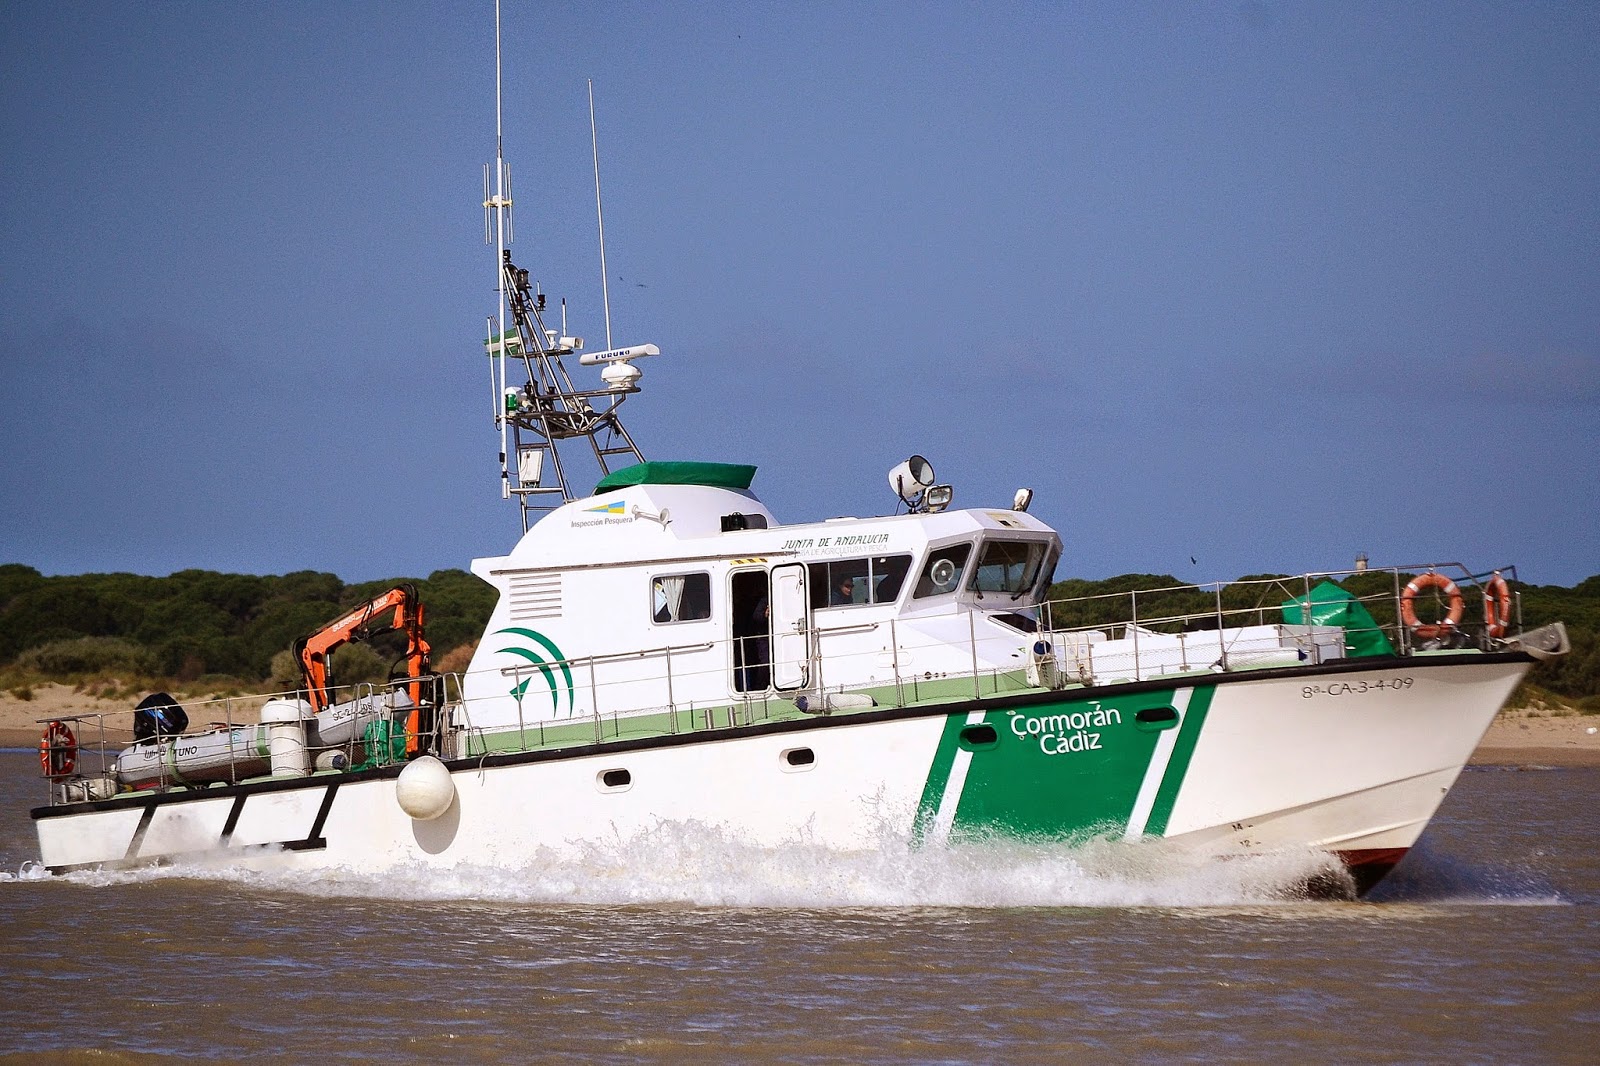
(1194, 719)
(944, 758)
(1059, 770)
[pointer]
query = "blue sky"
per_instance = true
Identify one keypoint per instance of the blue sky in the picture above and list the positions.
(1261, 285)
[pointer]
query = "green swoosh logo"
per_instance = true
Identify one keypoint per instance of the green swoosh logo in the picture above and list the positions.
(544, 667)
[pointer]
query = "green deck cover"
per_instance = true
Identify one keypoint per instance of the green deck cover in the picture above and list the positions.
(715, 475)
(385, 742)
(1333, 606)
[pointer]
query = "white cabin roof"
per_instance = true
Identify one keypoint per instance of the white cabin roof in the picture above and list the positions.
(661, 522)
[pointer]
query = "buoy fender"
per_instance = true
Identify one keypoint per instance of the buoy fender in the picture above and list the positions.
(424, 789)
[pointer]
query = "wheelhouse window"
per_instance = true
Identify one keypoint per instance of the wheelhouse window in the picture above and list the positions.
(1008, 566)
(852, 582)
(1047, 572)
(942, 572)
(680, 597)
(889, 577)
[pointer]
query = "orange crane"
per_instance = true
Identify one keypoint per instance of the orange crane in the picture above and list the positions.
(314, 652)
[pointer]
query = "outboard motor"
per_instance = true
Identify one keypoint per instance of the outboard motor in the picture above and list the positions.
(158, 715)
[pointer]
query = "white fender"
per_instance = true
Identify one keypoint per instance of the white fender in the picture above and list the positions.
(424, 789)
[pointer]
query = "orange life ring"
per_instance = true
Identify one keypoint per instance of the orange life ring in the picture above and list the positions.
(58, 750)
(1497, 605)
(1408, 610)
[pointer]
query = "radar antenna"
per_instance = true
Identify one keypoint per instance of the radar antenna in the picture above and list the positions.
(547, 407)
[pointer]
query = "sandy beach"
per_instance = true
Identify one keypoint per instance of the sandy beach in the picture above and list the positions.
(1517, 738)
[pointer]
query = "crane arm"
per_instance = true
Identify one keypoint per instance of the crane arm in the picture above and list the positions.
(315, 651)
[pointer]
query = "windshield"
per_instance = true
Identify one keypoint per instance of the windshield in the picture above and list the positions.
(1008, 566)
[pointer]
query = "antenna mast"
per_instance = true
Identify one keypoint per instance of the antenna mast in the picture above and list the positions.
(548, 407)
(501, 206)
(599, 216)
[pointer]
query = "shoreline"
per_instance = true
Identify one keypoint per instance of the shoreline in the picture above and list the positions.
(1520, 738)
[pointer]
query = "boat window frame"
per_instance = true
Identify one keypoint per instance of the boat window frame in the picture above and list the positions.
(1030, 578)
(1047, 572)
(653, 610)
(820, 574)
(924, 574)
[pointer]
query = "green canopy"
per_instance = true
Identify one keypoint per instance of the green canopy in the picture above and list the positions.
(715, 475)
(1331, 605)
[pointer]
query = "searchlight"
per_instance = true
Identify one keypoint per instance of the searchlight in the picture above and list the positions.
(911, 478)
(912, 481)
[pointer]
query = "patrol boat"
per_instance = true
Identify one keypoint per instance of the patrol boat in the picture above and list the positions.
(665, 650)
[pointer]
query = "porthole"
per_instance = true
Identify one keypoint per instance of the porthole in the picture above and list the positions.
(616, 780)
(1155, 719)
(978, 737)
(796, 760)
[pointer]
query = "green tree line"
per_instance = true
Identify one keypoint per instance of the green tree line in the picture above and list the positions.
(196, 623)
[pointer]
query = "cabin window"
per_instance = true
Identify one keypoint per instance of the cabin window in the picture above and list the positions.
(851, 582)
(680, 597)
(942, 572)
(1016, 620)
(1008, 566)
(1047, 572)
(889, 577)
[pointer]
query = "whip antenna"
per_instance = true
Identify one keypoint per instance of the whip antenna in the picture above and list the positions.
(600, 218)
(500, 206)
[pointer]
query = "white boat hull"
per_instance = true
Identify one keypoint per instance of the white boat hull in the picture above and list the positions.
(1353, 759)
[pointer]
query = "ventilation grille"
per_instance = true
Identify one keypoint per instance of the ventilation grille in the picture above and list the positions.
(535, 596)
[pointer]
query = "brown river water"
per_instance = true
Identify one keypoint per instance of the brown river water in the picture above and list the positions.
(1484, 946)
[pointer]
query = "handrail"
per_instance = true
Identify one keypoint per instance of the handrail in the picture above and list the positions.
(859, 627)
(515, 671)
(1135, 619)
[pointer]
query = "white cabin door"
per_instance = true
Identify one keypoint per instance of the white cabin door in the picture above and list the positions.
(791, 627)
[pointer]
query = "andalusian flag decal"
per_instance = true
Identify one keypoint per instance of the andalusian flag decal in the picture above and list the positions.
(547, 667)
